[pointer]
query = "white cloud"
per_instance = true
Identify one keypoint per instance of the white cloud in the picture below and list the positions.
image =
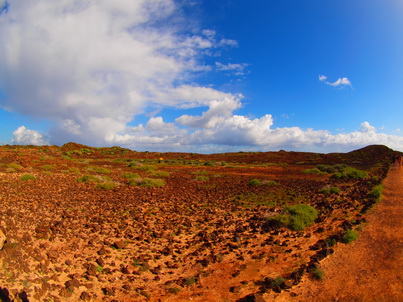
(218, 111)
(93, 66)
(339, 82)
(24, 136)
(238, 69)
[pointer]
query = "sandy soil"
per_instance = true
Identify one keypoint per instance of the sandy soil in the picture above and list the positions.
(369, 269)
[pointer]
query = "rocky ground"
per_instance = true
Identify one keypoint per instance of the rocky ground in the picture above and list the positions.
(199, 233)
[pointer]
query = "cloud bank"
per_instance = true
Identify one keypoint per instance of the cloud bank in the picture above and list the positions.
(93, 67)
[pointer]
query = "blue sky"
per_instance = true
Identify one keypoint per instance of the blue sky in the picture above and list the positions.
(203, 76)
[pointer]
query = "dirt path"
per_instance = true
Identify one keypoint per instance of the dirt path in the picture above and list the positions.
(369, 269)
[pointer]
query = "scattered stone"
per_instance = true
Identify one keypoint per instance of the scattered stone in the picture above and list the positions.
(3, 239)
(252, 298)
(119, 245)
(85, 296)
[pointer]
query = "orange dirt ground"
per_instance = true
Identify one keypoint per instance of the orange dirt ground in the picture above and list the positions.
(205, 235)
(371, 268)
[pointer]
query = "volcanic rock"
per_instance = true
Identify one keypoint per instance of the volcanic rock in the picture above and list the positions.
(2, 239)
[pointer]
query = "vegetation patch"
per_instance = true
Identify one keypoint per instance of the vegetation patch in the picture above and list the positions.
(349, 236)
(99, 170)
(159, 174)
(314, 171)
(130, 175)
(376, 192)
(27, 177)
(93, 179)
(13, 167)
(255, 182)
(47, 167)
(147, 182)
(109, 185)
(317, 273)
(350, 173)
(202, 178)
(296, 218)
(329, 190)
(140, 166)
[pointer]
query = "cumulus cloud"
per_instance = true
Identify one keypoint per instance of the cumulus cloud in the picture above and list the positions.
(24, 136)
(340, 82)
(93, 66)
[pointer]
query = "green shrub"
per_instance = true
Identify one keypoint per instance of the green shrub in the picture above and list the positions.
(147, 182)
(106, 185)
(376, 192)
(350, 173)
(318, 273)
(99, 269)
(190, 281)
(14, 166)
(99, 170)
(314, 171)
(130, 175)
(74, 170)
(135, 181)
(47, 167)
(92, 178)
(159, 174)
(202, 178)
(350, 236)
(153, 182)
(255, 182)
(296, 218)
(270, 183)
(139, 166)
(330, 190)
(27, 177)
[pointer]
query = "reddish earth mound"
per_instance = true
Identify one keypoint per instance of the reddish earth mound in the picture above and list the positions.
(111, 224)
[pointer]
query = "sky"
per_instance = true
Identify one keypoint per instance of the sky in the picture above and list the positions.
(202, 76)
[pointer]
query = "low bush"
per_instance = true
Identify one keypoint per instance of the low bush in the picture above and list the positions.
(140, 166)
(376, 192)
(270, 183)
(14, 166)
(329, 190)
(314, 171)
(350, 173)
(47, 167)
(159, 174)
(134, 181)
(99, 170)
(147, 182)
(296, 218)
(318, 273)
(130, 175)
(349, 236)
(92, 179)
(255, 182)
(27, 177)
(202, 178)
(153, 182)
(109, 185)
(331, 169)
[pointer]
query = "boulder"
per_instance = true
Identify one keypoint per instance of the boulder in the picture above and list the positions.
(2, 239)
